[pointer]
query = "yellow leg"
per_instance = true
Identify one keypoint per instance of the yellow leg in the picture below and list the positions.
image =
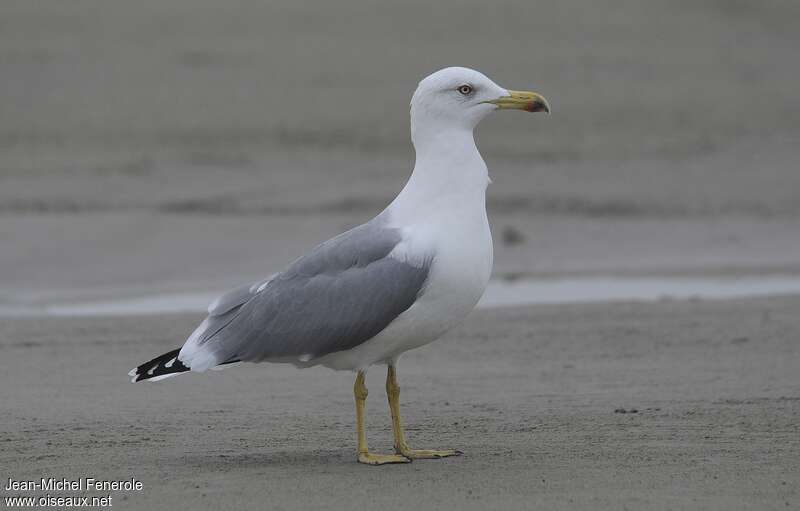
(400, 445)
(364, 456)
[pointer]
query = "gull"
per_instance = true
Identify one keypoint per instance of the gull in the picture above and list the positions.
(390, 285)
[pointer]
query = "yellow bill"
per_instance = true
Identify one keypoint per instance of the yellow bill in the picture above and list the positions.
(522, 100)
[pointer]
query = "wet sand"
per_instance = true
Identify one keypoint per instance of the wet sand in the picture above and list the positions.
(532, 395)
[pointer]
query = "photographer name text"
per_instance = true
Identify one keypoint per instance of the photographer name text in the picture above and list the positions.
(80, 484)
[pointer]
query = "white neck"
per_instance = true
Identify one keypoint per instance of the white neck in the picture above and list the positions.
(449, 176)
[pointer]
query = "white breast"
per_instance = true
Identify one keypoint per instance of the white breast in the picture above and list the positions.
(442, 214)
(461, 246)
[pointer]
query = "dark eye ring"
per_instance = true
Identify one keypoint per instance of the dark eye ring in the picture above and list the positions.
(465, 89)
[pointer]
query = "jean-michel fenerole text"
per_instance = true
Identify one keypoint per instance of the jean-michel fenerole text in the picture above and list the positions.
(79, 484)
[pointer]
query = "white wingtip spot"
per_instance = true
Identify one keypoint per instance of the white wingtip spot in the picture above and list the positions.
(132, 372)
(169, 364)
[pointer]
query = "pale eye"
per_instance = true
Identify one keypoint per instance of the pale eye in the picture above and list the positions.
(465, 89)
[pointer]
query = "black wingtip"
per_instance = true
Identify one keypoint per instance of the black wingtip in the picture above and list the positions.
(159, 368)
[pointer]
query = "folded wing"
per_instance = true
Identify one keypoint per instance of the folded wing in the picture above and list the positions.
(338, 296)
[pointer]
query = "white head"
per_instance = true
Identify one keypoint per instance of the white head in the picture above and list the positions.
(458, 98)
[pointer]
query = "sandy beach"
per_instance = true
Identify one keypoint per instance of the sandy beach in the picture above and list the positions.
(181, 145)
(529, 394)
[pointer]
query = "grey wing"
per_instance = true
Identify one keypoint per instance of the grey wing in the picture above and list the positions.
(222, 310)
(338, 296)
(236, 297)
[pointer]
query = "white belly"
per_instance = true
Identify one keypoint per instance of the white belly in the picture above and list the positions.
(458, 276)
